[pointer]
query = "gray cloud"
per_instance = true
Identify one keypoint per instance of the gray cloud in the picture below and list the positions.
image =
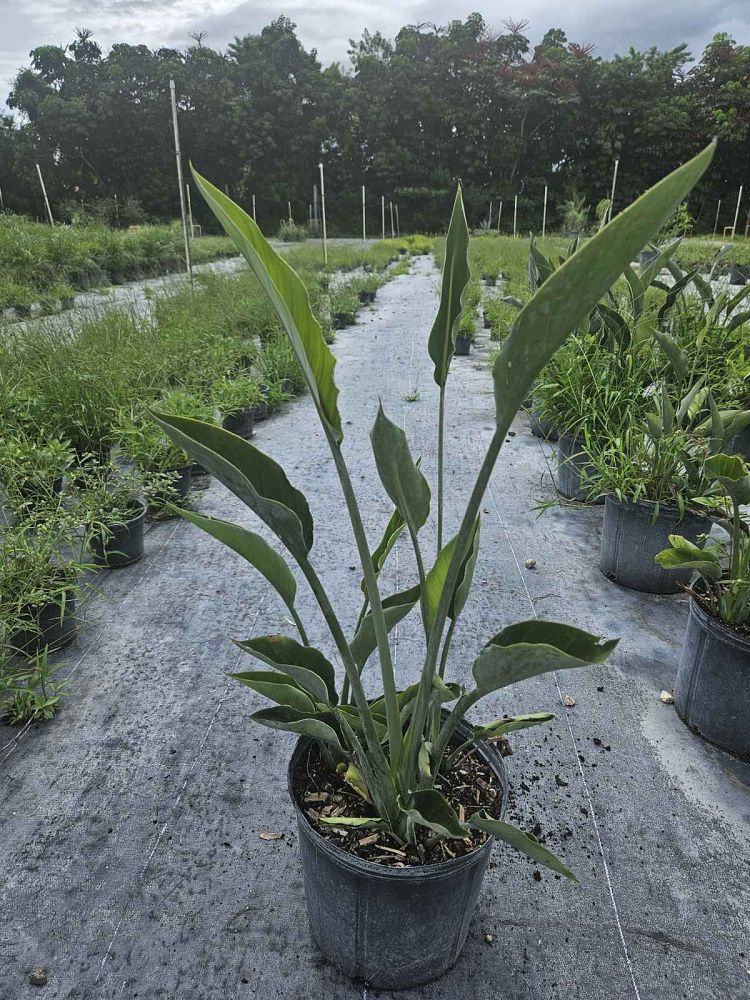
(326, 25)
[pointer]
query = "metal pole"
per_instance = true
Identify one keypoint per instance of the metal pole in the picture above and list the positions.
(178, 157)
(315, 204)
(489, 220)
(323, 213)
(364, 221)
(716, 220)
(189, 210)
(544, 213)
(289, 207)
(44, 192)
(255, 220)
(499, 214)
(515, 213)
(393, 229)
(398, 224)
(117, 209)
(737, 213)
(382, 212)
(612, 195)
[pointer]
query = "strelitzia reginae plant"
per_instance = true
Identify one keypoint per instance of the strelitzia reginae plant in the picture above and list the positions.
(394, 746)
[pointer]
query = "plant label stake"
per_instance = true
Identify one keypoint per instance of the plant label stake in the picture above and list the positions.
(544, 213)
(499, 214)
(737, 213)
(178, 157)
(489, 218)
(398, 224)
(393, 230)
(117, 207)
(716, 220)
(254, 216)
(323, 214)
(289, 207)
(612, 195)
(46, 199)
(382, 212)
(364, 221)
(515, 213)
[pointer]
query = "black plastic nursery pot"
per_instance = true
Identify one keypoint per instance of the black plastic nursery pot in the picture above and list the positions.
(393, 927)
(489, 279)
(573, 463)
(646, 257)
(366, 297)
(632, 537)
(463, 346)
(712, 692)
(540, 428)
(738, 274)
(122, 544)
(740, 444)
(342, 319)
(52, 625)
(180, 485)
(240, 423)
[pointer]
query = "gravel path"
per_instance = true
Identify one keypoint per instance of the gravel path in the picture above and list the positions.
(129, 826)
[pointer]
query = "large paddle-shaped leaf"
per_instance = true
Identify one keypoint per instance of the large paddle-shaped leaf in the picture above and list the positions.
(253, 549)
(732, 473)
(533, 647)
(252, 476)
(435, 580)
(684, 554)
(276, 687)
(442, 341)
(304, 664)
(395, 607)
(292, 721)
(572, 291)
(289, 298)
(391, 535)
(399, 473)
(431, 809)
(523, 842)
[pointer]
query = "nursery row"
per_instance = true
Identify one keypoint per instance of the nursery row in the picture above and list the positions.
(48, 264)
(81, 461)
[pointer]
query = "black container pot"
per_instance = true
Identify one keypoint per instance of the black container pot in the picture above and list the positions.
(67, 302)
(366, 297)
(117, 277)
(180, 485)
(738, 274)
(393, 927)
(51, 625)
(712, 693)
(646, 257)
(463, 346)
(632, 537)
(287, 387)
(740, 444)
(487, 322)
(260, 412)
(573, 462)
(122, 544)
(23, 311)
(490, 279)
(240, 423)
(544, 429)
(342, 319)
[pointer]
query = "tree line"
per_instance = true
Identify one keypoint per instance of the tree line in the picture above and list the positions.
(405, 118)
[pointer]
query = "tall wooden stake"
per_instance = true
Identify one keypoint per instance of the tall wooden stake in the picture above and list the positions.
(117, 209)
(323, 213)
(499, 214)
(716, 220)
(178, 157)
(191, 231)
(364, 220)
(737, 213)
(382, 213)
(255, 220)
(612, 195)
(515, 213)
(44, 192)
(489, 218)
(289, 208)
(393, 228)
(398, 224)
(544, 213)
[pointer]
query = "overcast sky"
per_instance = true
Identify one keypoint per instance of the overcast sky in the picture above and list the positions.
(613, 25)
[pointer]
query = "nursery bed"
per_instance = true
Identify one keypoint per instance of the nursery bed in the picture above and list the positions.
(130, 826)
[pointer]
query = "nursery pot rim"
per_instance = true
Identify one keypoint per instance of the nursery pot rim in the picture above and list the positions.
(139, 510)
(410, 873)
(647, 507)
(724, 631)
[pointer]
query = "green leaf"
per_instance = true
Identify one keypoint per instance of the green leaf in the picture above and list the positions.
(395, 607)
(732, 473)
(304, 664)
(423, 759)
(253, 549)
(253, 477)
(352, 821)
(292, 721)
(683, 554)
(675, 354)
(289, 298)
(276, 687)
(436, 576)
(502, 726)
(391, 535)
(442, 339)
(401, 477)
(570, 294)
(529, 648)
(523, 842)
(737, 320)
(431, 809)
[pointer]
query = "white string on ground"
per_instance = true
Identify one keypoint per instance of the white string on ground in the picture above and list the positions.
(586, 789)
(175, 804)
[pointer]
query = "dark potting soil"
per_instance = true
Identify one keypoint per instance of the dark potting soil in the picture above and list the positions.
(742, 631)
(470, 786)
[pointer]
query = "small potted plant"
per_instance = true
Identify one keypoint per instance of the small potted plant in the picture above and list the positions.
(32, 472)
(344, 305)
(385, 766)
(109, 505)
(237, 399)
(166, 469)
(712, 691)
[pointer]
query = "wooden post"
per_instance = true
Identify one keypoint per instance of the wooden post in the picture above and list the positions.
(489, 219)
(499, 214)
(178, 157)
(2, 203)
(716, 220)
(189, 210)
(393, 228)
(515, 213)
(612, 195)
(544, 213)
(382, 213)
(117, 209)
(364, 219)
(323, 214)
(289, 209)
(398, 224)
(315, 205)
(255, 220)
(44, 192)
(737, 213)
